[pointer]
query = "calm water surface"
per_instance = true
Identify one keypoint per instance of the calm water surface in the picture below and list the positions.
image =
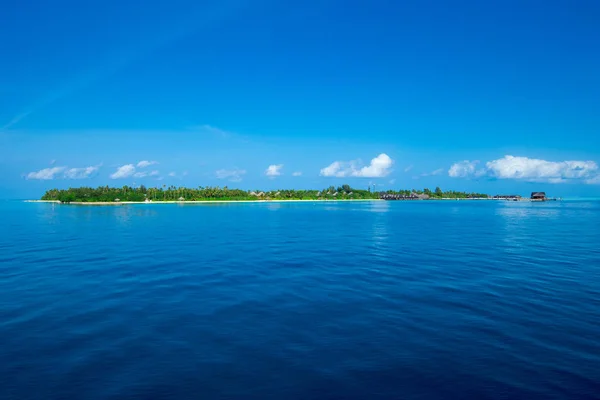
(375, 300)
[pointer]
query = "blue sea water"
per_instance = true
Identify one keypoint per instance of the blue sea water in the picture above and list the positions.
(360, 300)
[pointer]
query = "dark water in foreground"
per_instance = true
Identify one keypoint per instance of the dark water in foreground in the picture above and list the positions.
(381, 300)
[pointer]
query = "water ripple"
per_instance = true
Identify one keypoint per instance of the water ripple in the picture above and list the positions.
(301, 300)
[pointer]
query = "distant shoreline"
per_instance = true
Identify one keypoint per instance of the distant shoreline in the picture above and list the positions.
(119, 203)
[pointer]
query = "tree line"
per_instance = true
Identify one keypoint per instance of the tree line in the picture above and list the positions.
(173, 193)
(438, 193)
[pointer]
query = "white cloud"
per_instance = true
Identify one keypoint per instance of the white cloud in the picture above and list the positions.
(172, 174)
(337, 169)
(144, 163)
(46, 173)
(297, 173)
(380, 166)
(593, 181)
(234, 175)
(530, 169)
(81, 173)
(392, 181)
(463, 169)
(124, 171)
(273, 170)
(408, 168)
(129, 170)
(70, 173)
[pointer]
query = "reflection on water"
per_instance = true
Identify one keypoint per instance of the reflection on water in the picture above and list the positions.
(519, 210)
(379, 206)
(273, 206)
(124, 214)
(48, 213)
(380, 233)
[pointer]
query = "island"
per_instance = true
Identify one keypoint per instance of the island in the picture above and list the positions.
(170, 194)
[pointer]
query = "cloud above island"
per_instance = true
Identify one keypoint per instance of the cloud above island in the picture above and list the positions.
(81, 173)
(529, 169)
(516, 168)
(233, 175)
(63, 173)
(379, 166)
(463, 169)
(273, 170)
(46, 173)
(132, 170)
(144, 163)
(124, 171)
(143, 174)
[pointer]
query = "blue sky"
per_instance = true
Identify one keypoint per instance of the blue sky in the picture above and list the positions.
(495, 96)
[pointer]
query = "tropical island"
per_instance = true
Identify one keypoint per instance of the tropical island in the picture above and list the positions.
(143, 194)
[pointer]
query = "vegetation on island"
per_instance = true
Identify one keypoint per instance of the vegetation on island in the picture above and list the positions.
(207, 193)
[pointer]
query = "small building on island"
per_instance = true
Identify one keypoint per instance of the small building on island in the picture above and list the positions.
(393, 196)
(538, 196)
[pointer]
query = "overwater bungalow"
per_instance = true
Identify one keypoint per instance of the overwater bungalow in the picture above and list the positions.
(412, 196)
(538, 196)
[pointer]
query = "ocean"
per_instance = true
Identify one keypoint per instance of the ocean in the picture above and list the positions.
(311, 300)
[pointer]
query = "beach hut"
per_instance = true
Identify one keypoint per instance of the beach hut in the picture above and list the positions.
(538, 196)
(181, 199)
(117, 200)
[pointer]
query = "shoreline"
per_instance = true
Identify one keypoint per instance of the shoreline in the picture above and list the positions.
(120, 203)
